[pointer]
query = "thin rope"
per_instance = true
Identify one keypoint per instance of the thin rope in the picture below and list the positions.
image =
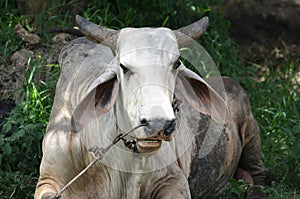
(99, 157)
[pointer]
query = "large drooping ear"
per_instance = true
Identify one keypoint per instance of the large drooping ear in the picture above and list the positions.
(100, 99)
(193, 31)
(201, 96)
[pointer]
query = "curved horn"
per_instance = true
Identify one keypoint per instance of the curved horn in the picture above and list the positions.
(193, 31)
(97, 33)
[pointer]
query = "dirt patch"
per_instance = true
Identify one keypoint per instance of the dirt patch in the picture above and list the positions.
(263, 21)
(267, 32)
(12, 73)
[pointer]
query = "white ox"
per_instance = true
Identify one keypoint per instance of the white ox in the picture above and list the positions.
(100, 94)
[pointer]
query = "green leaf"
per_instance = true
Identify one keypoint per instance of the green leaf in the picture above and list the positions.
(296, 128)
(16, 135)
(1, 140)
(296, 149)
(165, 21)
(7, 149)
(6, 127)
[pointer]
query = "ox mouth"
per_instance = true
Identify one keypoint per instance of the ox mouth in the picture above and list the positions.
(146, 145)
(151, 144)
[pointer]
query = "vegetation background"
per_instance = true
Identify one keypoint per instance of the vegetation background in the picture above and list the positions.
(267, 68)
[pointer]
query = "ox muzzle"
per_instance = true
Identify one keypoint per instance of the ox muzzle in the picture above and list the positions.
(157, 130)
(158, 127)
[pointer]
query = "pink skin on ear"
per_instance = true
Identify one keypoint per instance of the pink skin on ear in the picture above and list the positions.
(99, 100)
(201, 96)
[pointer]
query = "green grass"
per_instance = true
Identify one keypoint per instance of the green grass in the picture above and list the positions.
(22, 132)
(275, 97)
(277, 108)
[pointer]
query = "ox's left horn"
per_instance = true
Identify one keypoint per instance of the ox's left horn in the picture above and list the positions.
(97, 33)
(193, 31)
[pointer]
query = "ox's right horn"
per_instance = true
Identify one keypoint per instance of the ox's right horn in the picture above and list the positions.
(193, 31)
(98, 34)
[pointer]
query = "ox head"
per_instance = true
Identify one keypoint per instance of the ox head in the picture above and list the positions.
(141, 81)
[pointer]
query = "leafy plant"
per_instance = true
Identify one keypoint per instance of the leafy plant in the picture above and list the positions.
(237, 189)
(8, 39)
(22, 132)
(17, 185)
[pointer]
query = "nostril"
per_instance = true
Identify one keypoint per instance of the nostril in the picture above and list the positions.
(169, 127)
(170, 123)
(144, 122)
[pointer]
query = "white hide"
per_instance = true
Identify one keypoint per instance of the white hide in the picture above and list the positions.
(147, 88)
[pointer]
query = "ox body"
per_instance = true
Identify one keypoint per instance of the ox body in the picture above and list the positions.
(190, 152)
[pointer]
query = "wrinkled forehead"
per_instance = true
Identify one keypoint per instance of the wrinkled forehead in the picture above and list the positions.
(147, 40)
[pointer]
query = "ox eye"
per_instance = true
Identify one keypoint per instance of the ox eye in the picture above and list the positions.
(177, 64)
(125, 70)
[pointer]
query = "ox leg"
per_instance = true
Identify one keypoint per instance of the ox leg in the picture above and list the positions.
(174, 186)
(251, 159)
(50, 196)
(241, 174)
(57, 167)
(171, 192)
(255, 191)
